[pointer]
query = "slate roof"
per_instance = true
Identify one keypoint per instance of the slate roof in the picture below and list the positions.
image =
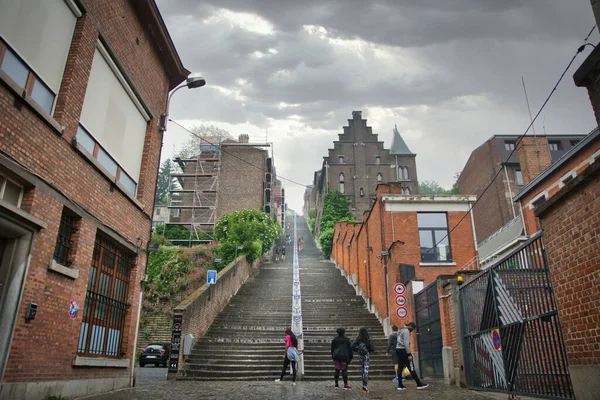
(399, 147)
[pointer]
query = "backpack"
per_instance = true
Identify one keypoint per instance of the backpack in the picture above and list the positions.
(362, 349)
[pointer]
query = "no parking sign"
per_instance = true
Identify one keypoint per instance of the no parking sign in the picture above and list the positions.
(399, 288)
(400, 300)
(401, 312)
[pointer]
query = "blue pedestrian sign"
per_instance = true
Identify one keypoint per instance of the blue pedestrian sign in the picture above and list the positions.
(211, 278)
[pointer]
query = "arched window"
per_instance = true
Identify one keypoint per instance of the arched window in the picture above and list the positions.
(403, 173)
(406, 191)
(406, 173)
(342, 183)
(362, 192)
(379, 177)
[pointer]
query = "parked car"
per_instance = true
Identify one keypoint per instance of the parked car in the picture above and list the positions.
(155, 353)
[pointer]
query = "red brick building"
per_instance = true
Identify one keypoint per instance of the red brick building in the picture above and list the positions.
(82, 88)
(406, 239)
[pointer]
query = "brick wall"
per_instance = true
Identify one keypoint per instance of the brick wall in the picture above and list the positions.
(534, 156)
(571, 226)
(240, 184)
(43, 349)
(377, 233)
(551, 184)
(201, 308)
(492, 210)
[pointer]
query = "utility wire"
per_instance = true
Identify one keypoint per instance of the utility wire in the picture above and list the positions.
(579, 50)
(233, 155)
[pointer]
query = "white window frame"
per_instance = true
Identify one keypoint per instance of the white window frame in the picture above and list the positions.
(566, 178)
(177, 212)
(3, 188)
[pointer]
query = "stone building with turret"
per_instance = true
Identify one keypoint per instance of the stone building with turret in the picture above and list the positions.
(358, 162)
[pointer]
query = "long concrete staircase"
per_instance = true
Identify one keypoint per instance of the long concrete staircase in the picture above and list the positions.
(246, 342)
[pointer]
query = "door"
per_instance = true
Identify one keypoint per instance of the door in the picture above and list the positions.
(429, 332)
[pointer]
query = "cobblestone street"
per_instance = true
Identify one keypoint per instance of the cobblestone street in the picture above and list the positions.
(246, 390)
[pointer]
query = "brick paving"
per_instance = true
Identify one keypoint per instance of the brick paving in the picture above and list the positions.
(247, 390)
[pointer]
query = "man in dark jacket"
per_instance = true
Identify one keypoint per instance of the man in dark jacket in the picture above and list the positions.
(341, 353)
(391, 350)
(405, 358)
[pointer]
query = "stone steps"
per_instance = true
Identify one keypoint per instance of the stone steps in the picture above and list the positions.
(246, 340)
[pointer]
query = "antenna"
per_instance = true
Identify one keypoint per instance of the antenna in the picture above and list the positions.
(528, 108)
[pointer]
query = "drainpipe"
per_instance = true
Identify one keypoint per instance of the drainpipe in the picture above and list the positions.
(384, 258)
(512, 204)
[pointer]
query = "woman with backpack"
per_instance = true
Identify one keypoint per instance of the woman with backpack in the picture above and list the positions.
(290, 355)
(363, 345)
(341, 353)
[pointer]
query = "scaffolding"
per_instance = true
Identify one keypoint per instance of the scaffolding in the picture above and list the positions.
(193, 196)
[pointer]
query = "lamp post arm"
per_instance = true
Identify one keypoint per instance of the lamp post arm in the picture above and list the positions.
(165, 116)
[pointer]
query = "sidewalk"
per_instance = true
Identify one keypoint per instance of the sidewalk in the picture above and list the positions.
(248, 390)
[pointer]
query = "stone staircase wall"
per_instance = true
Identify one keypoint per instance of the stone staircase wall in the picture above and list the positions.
(203, 306)
(157, 329)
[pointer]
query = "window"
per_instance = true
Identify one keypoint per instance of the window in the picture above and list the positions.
(403, 173)
(406, 190)
(342, 189)
(554, 145)
(378, 160)
(158, 211)
(105, 308)
(63, 251)
(37, 34)
(341, 159)
(10, 191)
(509, 145)
(177, 212)
(114, 118)
(18, 71)
(519, 177)
(87, 142)
(362, 192)
(434, 237)
(379, 177)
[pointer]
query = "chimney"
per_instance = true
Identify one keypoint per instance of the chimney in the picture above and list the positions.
(244, 138)
(534, 156)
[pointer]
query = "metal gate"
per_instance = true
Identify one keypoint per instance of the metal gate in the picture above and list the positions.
(429, 331)
(512, 334)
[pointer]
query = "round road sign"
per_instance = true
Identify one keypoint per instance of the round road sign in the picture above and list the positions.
(400, 300)
(401, 312)
(399, 288)
(496, 339)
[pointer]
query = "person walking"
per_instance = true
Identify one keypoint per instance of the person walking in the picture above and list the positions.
(363, 345)
(290, 355)
(405, 358)
(277, 250)
(341, 353)
(391, 350)
(283, 253)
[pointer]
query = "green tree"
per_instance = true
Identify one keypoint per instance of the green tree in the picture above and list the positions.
(430, 187)
(191, 148)
(454, 189)
(335, 209)
(162, 182)
(253, 230)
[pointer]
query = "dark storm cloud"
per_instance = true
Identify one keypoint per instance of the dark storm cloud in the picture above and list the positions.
(422, 59)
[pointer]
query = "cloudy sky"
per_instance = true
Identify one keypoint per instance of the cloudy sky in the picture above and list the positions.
(447, 73)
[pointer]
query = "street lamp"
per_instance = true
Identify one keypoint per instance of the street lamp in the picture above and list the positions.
(192, 82)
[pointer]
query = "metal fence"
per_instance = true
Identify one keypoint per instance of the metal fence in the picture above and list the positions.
(512, 334)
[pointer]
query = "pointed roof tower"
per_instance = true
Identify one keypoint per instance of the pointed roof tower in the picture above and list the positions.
(399, 147)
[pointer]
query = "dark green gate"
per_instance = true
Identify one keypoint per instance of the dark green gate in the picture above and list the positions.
(513, 339)
(429, 332)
